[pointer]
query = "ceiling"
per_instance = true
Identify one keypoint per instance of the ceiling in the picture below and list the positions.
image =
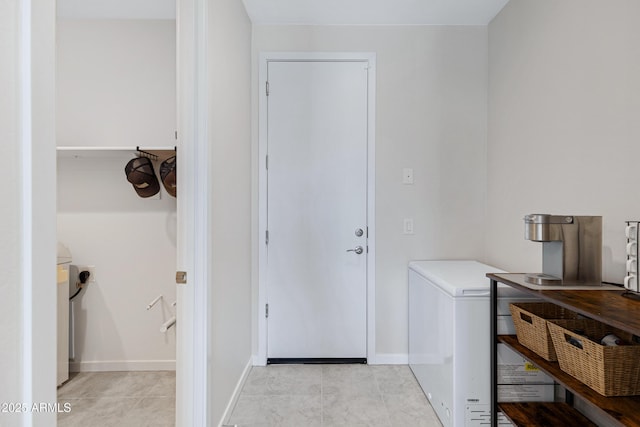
(374, 12)
(307, 12)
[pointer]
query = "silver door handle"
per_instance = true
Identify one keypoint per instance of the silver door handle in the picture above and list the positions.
(357, 249)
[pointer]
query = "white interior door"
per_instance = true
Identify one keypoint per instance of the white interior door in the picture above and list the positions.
(316, 203)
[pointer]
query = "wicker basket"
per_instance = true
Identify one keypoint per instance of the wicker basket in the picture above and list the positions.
(530, 320)
(609, 370)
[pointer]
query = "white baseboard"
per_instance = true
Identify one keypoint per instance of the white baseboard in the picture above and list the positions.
(123, 365)
(236, 393)
(389, 359)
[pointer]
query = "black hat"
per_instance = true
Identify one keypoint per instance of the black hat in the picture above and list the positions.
(168, 175)
(140, 173)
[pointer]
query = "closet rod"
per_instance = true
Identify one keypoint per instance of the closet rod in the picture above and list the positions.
(160, 153)
(147, 152)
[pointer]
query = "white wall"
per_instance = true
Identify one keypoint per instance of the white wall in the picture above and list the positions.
(132, 244)
(229, 127)
(116, 87)
(11, 364)
(431, 116)
(564, 102)
(116, 83)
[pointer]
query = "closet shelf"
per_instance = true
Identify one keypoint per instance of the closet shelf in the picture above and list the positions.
(155, 153)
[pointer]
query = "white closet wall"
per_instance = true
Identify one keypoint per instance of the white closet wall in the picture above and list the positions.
(116, 83)
(116, 87)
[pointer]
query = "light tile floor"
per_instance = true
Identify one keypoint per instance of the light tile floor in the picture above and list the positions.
(104, 399)
(332, 395)
(280, 395)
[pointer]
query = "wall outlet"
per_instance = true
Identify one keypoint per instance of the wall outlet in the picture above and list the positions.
(92, 272)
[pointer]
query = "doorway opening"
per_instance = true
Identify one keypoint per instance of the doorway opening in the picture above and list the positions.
(116, 87)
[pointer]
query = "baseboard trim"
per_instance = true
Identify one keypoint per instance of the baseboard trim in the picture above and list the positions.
(236, 394)
(390, 359)
(123, 365)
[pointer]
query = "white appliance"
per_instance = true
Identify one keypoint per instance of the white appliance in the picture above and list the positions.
(64, 260)
(449, 342)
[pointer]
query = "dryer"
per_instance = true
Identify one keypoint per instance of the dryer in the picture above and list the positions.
(62, 286)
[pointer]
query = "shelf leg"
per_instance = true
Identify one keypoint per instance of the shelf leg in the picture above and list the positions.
(494, 352)
(568, 397)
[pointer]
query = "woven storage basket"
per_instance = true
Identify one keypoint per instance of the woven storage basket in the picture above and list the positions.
(609, 370)
(530, 320)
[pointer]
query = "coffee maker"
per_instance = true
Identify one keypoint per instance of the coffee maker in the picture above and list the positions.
(571, 248)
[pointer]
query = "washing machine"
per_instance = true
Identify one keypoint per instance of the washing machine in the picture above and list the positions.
(64, 261)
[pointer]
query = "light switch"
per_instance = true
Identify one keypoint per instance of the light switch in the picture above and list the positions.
(408, 226)
(407, 176)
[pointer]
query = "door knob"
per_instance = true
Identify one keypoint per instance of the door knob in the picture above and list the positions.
(357, 249)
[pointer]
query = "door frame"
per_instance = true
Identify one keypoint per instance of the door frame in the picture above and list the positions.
(368, 58)
(35, 44)
(194, 398)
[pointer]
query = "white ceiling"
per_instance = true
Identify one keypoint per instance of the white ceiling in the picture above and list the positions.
(374, 12)
(318, 12)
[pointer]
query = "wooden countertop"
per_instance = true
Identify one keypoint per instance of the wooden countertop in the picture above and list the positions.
(606, 306)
